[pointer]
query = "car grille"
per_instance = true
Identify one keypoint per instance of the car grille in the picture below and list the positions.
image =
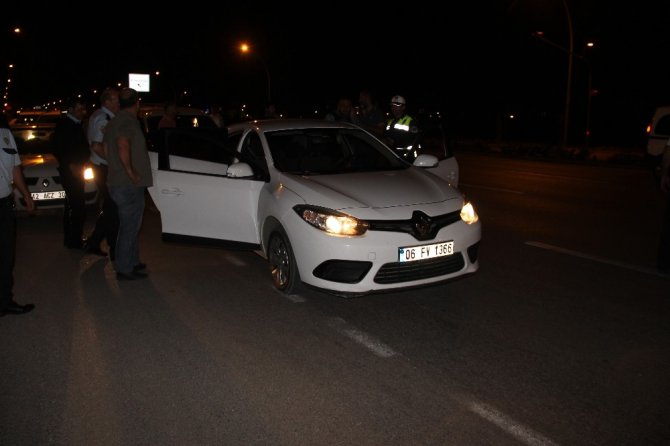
(407, 271)
(421, 226)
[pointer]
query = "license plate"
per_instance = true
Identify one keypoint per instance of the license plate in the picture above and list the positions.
(55, 195)
(425, 252)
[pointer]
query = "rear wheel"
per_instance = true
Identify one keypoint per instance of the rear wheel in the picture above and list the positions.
(283, 267)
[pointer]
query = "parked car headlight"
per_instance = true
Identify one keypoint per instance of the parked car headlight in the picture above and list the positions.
(330, 221)
(88, 173)
(468, 213)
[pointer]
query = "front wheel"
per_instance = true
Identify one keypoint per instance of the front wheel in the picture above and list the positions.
(283, 267)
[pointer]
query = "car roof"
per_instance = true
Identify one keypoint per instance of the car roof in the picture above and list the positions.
(289, 124)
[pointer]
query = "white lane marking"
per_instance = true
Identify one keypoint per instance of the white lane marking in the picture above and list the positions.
(496, 189)
(235, 260)
(295, 298)
(512, 427)
(569, 252)
(366, 340)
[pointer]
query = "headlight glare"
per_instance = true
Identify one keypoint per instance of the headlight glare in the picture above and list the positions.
(88, 173)
(332, 222)
(468, 214)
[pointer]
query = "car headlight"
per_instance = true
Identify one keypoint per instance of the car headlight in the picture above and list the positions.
(88, 173)
(330, 221)
(468, 213)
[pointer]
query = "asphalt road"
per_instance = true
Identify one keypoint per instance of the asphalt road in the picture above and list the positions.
(561, 338)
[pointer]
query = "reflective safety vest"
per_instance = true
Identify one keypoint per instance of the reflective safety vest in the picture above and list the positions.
(403, 124)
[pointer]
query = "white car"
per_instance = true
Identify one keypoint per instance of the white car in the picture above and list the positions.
(43, 181)
(327, 203)
(33, 132)
(40, 169)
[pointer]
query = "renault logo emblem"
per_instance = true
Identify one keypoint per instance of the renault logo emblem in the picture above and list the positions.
(422, 223)
(45, 183)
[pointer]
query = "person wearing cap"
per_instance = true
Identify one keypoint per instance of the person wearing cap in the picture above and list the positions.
(401, 130)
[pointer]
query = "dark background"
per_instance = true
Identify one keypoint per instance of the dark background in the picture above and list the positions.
(477, 63)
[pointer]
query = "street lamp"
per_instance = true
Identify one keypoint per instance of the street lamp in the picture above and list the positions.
(582, 57)
(246, 48)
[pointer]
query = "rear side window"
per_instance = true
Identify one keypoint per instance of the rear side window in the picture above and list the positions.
(199, 147)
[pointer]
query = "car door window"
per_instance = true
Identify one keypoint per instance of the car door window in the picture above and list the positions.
(198, 152)
(252, 153)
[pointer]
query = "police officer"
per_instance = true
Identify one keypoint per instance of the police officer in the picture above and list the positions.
(10, 172)
(401, 130)
(107, 224)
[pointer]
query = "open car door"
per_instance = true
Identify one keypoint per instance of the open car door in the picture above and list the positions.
(199, 190)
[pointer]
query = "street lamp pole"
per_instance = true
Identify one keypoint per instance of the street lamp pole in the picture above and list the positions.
(588, 106)
(568, 88)
(246, 48)
(267, 74)
(589, 72)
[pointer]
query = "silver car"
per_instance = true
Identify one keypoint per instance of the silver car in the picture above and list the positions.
(33, 132)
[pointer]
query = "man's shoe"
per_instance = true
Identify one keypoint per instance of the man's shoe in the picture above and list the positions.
(14, 308)
(139, 267)
(131, 276)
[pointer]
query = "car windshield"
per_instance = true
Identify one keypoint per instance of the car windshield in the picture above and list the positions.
(329, 151)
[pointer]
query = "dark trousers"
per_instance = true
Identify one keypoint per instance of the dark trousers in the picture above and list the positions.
(74, 212)
(130, 203)
(107, 224)
(7, 249)
(664, 242)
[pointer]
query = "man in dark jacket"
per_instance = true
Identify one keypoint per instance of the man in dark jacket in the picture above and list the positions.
(71, 150)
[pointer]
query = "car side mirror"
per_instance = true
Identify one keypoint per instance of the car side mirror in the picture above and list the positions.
(426, 161)
(239, 170)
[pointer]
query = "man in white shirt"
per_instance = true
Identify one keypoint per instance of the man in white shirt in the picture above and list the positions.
(10, 174)
(107, 224)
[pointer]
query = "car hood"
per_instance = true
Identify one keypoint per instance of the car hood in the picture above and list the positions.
(35, 164)
(374, 190)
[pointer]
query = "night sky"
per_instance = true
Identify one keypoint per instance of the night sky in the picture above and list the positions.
(476, 62)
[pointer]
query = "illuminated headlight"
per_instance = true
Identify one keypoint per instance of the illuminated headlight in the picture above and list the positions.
(468, 214)
(31, 135)
(88, 174)
(330, 221)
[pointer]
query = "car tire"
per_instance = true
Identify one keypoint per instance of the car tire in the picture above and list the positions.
(283, 267)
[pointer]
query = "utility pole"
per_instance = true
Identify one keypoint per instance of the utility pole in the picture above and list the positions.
(568, 88)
